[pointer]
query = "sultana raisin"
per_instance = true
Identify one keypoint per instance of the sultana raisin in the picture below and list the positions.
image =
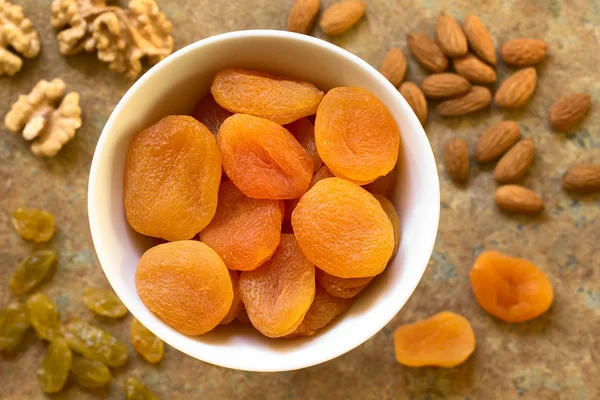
(172, 172)
(186, 284)
(343, 230)
(444, 340)
(91, 374)
(512, 289)
(32, 270)
(44, 316)
(356, 135)
(277, 98)
(14, 322)
(304, 132)
(33, 224)
(104, 302)
(236, 303)
(54, 370)
(146, 343)
(211, 114)
(345, 288)
(244, 232)
(95, 343)
(135, 390)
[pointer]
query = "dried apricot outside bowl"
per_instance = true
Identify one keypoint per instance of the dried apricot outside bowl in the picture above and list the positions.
(174, 87)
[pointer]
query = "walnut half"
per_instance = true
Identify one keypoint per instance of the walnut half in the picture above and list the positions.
(37, 116)
(16, 32)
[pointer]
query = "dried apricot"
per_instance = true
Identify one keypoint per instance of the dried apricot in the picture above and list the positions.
(343, 229)
(444, 340)
(244, 232)
(33, 224)
(277, 98)
(278, 294)
(14, 322)
(321, 173)
(512, 289)
(43, 315)
(55, 367)
(236, 303)
(172, 177)
(146, 343)
(95, 343)
(186, 284)
(322, 311)
(391, 212)
(91, 374)
(344, 288)
(104, 302)
(242, 315)
(304, 132)
(263, 159)
(32, 270)
(384, 185)
(209, 113)
(136, 390)
(356, 135)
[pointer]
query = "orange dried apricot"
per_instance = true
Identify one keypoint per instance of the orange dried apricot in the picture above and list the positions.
(186, 284)
(263, 159)
(242, 315)
(444, 340)
(384, 185)
(236, 303)
(279, 293)
(172, 177)
(322, 311)
(322, 173)
(304, 132)
(512, 289)
(391, 212)
(343, 229)
(277, 98)
(344, 288)
(356, 135)
(244, 232)
(211, 114)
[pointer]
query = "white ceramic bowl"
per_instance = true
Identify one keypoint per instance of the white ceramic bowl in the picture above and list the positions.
(173, 87)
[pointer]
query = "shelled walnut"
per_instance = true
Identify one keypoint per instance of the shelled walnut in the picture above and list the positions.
(18, 33)
(121, 37)
(37, 116)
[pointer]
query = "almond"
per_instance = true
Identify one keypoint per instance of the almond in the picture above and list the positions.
(302, 16)
(517, 199)
(450, 36)
(496, 140)
(415, 99)
(516, 89)
(456, 160)
(393, 66)
(340, 17)
(567, 111)
(523, 52)
(474, 69)
(477, 98)
(582, 178)
(427, 52)
(479, 39)
(444, 85)
(514, 164)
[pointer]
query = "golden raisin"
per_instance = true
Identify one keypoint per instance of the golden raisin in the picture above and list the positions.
(14, 322)
(33, 224)
(91, 374)
(104, 302)
(95, 343)
(32, 271)
(146, 343)
(55, 367)
(44, 316)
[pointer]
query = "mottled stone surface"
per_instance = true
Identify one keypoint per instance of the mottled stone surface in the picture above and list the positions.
(556, 356)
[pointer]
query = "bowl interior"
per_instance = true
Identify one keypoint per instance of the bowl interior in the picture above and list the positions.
(173, 87)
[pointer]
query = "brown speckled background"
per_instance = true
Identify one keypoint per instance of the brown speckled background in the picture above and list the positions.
(556, 356)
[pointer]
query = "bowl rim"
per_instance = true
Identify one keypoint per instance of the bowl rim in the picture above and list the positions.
(108, 127)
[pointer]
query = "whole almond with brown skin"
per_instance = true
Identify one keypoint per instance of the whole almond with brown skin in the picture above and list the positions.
(415, 99)
(567, 111)
(516, 89)
(496, 140)
(302, 16)
(514, 164)
(393, 66)
(444, 85)
(456, 160)
(582, 178)
(474, 69)
(340, 17)
(523, 52)
(427, 52)
(450, 36)
(479, 39)
(517, 199)
(476, 99)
